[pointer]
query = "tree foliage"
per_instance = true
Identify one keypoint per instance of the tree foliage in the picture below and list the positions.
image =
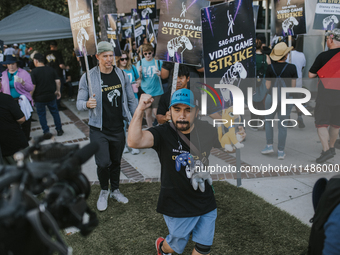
(8, 7)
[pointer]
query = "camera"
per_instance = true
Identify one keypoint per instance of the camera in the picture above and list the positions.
(40, 197)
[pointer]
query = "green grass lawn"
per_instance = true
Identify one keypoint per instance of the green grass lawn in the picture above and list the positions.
(246, 224)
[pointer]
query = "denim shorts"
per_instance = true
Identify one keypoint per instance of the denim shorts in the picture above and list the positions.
(201, 227)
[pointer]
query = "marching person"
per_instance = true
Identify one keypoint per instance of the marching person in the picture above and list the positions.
(163, 113)
(112, 101)
(124, 63)
(327, 118)
(46, 92)
(150, 70)
(278, 68)
(186, 209)
(55, 60)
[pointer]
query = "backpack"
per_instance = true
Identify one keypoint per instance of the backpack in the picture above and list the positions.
(260, 72)
(279, 82)
(326, 197)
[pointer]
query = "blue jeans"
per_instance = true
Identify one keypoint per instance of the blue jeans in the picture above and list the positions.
(41, 111)
(269, 126)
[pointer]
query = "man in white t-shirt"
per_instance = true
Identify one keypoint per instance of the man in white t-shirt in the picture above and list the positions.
(299, 60)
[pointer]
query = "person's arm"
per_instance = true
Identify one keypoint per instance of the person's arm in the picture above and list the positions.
(268, 84)
(131, 99)
(161, 119)
(32, 92)
(27, 81)
(164, 73)
(21, 120)
(268, 60)
(138, 138)
(312, 75)
(293, 83)
(57, 92)
(83, 100)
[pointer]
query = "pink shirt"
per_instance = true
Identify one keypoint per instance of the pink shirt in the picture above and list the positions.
(22, 90)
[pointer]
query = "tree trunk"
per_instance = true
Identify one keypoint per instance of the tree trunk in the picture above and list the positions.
(105, 7)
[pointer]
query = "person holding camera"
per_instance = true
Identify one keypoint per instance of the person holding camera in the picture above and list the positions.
(187, 210)
(112, 101)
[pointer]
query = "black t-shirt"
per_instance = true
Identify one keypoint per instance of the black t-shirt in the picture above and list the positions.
(164, 102)
(12, 138)
(54, 58)
(43, 77)
(177, 197)
(326, 96)
(112, 103)
(288, 74)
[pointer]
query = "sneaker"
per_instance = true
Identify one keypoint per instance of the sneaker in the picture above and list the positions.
(300, 123)
(116, 194)
(102, 200)
(281, 154)
(332, 151)
(157, 243)
(134, 151)
(269, 149)
(126, 149)
(325, 155)
(60, 132)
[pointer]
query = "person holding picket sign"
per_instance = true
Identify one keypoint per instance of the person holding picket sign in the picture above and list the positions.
(279, 74)
(150, 70)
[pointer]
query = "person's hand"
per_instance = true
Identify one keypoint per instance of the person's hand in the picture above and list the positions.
(199, 177)
(20, 80)
(57, 93)
(91, 103)
(158, 73)
(167, 116)
(145, 102)
(138, 82)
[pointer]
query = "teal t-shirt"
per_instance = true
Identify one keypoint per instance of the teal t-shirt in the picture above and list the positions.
(151, 82)
(14, 92)
(132, 73)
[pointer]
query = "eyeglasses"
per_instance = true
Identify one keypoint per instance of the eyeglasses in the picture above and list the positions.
(122, 59)
(147, 53)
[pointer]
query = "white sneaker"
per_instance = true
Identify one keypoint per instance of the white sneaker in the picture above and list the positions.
(116, 194)
(102, 200)
(134, 151)
(126, 149)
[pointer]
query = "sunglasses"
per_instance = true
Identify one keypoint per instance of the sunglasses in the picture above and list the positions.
(147, 53)
(122, 59)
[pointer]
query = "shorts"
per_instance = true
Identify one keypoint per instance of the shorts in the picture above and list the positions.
(327, 115)
(201, 227)
(155, 101)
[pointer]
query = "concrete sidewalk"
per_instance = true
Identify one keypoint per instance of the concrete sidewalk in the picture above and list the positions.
(291, 191)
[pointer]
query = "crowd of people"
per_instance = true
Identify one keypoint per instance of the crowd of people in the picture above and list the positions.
(137, 89)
